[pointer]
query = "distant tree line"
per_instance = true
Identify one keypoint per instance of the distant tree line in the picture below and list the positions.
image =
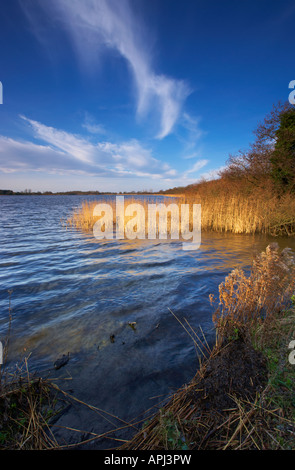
(5, 192)
(29, 192)
(268, 164)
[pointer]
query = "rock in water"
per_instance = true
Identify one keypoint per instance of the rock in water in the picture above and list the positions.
(132, 325)
(62, 361)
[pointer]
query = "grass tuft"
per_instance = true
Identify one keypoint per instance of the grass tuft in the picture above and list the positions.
(243, 395)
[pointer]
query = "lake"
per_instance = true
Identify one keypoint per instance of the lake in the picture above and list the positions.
(72, 293)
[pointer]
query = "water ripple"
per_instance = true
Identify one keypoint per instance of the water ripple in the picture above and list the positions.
(71, 291)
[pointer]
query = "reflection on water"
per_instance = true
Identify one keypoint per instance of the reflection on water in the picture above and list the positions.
(71, 293)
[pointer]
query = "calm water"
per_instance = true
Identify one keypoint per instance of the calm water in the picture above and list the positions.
(71, 292)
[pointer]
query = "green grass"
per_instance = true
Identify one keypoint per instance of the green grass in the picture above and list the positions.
(26, 407)
(273, 341)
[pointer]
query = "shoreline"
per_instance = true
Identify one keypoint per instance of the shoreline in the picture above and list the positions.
(242, 393)
(83, 193)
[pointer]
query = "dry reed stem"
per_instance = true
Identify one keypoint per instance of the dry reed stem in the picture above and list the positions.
(243, 302)
(243, 426)
(83, 217)
(247, 299)
(226, 210)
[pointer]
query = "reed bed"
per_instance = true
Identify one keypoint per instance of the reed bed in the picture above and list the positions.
(242, 396)
(222, 211)
(260, 212)
(84, 218)
(246, 300)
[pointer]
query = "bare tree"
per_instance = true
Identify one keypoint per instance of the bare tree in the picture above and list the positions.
(256, 165)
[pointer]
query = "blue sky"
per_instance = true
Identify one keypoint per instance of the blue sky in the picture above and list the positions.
(118, 95)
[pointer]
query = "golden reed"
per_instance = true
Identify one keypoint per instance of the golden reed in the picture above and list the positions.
(261, 212)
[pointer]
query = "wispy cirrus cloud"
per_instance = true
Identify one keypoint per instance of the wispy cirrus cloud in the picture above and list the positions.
(17, 156)
(76, 146)
(55, 151)
(191, 136)
(96, 25)
(59, 151)
(196, 167)
(92, 126)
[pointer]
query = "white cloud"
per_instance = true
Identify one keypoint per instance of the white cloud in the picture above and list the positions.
(19, 156)
(96, 25)
(196, 167)
(64, 152)
(91, 126)
(212, 174)
(191, 155)
(73, 145)
(192, 134)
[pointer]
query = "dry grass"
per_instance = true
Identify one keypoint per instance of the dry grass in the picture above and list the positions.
(246, 300)
(242, 397)
(223, 209)
(258, 212)
(27, 404)
(190, 421)
(30, 406)
(84, 218)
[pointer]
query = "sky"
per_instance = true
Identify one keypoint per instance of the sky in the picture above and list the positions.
(132, 95)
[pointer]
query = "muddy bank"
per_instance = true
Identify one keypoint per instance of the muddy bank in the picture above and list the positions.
(199, 415)
(237, 370)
